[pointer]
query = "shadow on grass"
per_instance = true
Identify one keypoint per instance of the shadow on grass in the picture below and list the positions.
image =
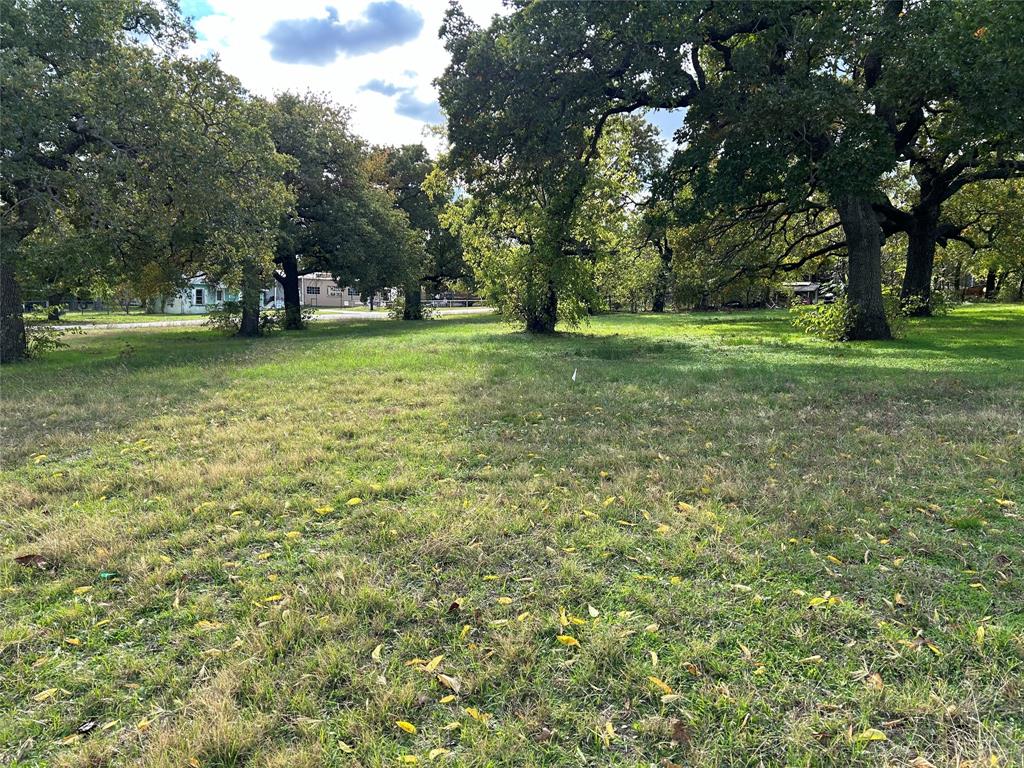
(110, 380)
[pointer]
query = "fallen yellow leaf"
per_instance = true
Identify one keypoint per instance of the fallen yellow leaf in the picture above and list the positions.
(568, 640)
(449, 682)
(660, 684)
(406, 726)
(871, 734)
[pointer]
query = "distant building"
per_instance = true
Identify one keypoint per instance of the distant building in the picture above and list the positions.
(198, 297)
(320, 289)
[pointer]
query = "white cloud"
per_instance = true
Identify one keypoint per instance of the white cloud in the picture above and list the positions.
(236, 30)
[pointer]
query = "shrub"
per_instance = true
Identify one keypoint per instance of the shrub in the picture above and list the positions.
(834, 321)
(42, 338)
(228, 318)
(826, 321)
(397, 309)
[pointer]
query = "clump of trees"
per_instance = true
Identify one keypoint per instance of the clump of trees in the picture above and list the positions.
(878, 143)
(128, 166)
(124, 160)
(802, 123)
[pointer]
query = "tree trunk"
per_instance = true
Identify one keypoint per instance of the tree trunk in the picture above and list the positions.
(990, 284)
(251, 291)
(1020, 289)
(542, 318)
(292, 300)
(664, 277)
(864, 249)
(13, 344)
(54, 301)
(413, 305)
(917, 281)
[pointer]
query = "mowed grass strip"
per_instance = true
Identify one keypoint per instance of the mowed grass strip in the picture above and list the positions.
(368, 544)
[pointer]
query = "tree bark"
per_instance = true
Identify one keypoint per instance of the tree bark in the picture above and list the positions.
(917, 280)
(542, 317)
(54, 301)
(413, 302)
(13, 343)
(250, 325)
(289, 281)
(864, 249)
(664, 277)
(990, 284)
(1020, 289)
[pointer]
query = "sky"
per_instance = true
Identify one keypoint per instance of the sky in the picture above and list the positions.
(378, 57)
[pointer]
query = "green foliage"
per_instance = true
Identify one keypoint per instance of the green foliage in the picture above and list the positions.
(42, 337)
(834, 322)
(227, 317)
(793, 110)
(517, 261)
(121, 153)
(396, 311)
(826, 321)
(345, 220)
(403, 172)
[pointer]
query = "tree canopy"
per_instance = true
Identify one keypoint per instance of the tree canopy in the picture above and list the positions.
(120, 155)
(791, 108)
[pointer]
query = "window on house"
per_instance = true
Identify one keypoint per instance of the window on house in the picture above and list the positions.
(313, 290)
(333, 290)
(200, 297)
(220, 294)
(352, 291)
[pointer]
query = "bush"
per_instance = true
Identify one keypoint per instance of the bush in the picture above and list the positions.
(43, 338)
(826, 321)
(228, 318)
(397, 309)
(834, 321)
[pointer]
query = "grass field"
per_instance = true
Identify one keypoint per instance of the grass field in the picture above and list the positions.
(375, 544)
(94, 317)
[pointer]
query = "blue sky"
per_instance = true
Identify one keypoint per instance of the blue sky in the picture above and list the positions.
(378, 57)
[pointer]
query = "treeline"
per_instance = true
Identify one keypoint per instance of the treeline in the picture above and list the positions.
(128, 167)
(879, 142)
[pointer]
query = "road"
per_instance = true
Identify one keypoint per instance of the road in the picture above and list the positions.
(340, 314)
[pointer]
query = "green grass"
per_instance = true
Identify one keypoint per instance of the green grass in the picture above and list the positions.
(690, 506)
(94, 317)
